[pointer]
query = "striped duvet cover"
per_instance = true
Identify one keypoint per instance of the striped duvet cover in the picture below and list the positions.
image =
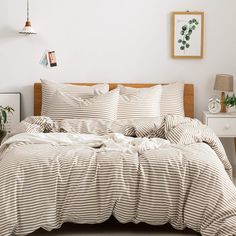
(49, 179)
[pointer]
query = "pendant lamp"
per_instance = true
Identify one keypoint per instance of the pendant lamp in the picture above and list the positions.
(28, 29)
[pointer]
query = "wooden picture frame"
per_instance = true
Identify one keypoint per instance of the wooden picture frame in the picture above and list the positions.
(187, 35)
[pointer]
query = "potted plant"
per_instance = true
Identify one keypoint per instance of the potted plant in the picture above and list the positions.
(4, 112)
(230, 102)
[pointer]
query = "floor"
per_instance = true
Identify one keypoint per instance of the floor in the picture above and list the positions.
(114, 229)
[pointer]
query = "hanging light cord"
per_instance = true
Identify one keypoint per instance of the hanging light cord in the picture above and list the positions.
(27, 10)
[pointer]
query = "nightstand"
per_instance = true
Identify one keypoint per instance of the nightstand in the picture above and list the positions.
(223, 124)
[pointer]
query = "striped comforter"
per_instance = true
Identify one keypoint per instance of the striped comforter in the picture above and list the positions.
(47, 179)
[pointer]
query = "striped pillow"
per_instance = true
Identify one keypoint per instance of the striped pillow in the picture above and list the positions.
(67, 106)
(140, 103)
(172, 99)
(49, 88)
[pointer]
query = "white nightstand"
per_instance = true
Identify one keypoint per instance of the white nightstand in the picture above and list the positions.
(223, 124)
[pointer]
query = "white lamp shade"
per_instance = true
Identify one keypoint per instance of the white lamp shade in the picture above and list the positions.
(28, 29)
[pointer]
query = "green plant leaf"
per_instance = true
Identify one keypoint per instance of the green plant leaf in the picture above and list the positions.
(187, 37)
(4, 115)
(230, 101)
(4, 111)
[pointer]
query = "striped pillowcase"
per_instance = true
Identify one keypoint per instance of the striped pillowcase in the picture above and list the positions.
(67, 106)
(49, 88)
(143, 103)
(172, 99)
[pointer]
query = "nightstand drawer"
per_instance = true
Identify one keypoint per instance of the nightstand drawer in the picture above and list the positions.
(223, 126)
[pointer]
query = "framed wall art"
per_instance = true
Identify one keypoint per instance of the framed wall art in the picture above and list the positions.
(187, 35)
(13, 100)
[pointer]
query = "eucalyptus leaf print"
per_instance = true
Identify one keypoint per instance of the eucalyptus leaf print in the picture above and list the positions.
(186, 32)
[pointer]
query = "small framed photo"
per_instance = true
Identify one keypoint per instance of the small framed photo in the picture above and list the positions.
(48, 59)
(187, 35)
(52, 58)
(14, 101)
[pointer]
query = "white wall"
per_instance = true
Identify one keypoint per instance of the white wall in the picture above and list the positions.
(112, 41)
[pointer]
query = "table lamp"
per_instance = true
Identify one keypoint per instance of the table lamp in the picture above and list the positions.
(224, 83)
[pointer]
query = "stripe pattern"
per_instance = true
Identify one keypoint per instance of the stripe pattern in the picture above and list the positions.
(186, 131)
(143, 103)
(172, 99)
(65, 106)
(44, 185)
(152, 127)
(96, 126)
(57, 184)
(34, 124)
(49, 89)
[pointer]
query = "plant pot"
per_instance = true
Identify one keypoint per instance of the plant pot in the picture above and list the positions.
(231, 109)
(3, 133)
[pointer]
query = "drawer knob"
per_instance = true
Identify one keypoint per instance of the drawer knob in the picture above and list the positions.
(227, 127)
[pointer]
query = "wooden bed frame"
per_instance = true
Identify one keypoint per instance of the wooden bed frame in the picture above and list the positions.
(188, 96)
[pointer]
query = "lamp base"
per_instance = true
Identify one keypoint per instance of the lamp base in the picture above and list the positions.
(222, 102)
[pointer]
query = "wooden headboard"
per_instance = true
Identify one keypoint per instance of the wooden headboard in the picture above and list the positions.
(188, 96)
